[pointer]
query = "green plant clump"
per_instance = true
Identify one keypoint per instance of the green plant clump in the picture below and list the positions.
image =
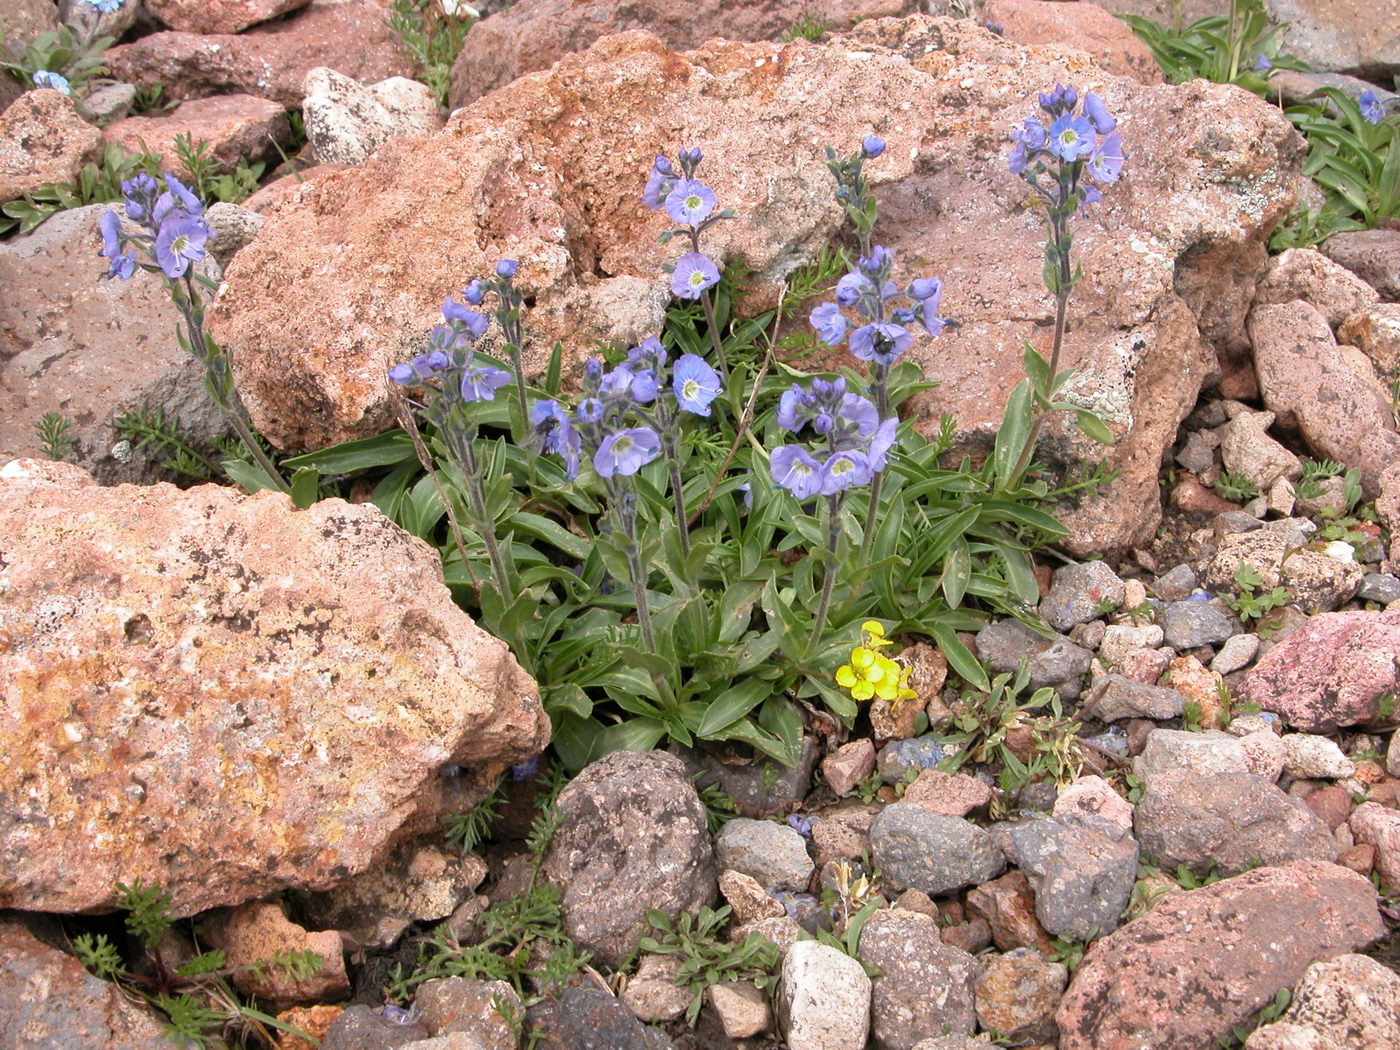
(432, 37)
(97, 181)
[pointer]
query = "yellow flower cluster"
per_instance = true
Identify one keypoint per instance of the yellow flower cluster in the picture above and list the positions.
(872, 674)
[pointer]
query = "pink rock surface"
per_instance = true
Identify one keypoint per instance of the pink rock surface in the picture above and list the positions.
(1085, 26)
(270, 61)
(214, 693)
(42, 139)
(1307, 381)
(384, 244)
(1333, 671)
(534, 34)
(948, 795)
(236, 127)
(260, 930)
(1201, 962)
(87, 348)
(218, 16)
(1374, 825)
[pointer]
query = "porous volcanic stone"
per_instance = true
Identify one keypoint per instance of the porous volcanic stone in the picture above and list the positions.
(42, 140)
(920, 850)
(633, 837)
(1201, 962)
(1349, 1001)
(912, 962)
(218, 16)
(225, 697)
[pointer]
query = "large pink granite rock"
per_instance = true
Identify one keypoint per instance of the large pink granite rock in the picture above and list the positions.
(1198, 963)
(349, 271)
(1335, 670)
(534, 34)
(218, 16)
(272, 60)
(214, 693)
(42, 140)
(1085, 26)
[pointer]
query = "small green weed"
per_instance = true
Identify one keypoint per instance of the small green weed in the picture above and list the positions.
(707, 957)
(53, 431)
(432, 38)
(465, 831)
(1225, 49)
(73, 56)
(207, 181)
(1235, 487)
(720, 806)
(96, 182)
(808, 27)
(1249, 604)
(1272, 1012)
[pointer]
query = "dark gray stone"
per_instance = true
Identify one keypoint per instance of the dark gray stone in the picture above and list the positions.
(1052, 661)
(361, 1028)
(919, 850)
(1229, 821)
(1114, 697)
(1076, 593)
(924, 988)
(759, 788)
(591, 1019)
(1082, 876)
(1192, 624)
(633, 836)
(1379, 587)
(1176, 584)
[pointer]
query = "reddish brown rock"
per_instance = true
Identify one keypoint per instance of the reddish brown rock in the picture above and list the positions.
(22, 20)
(42, 140)
(51, 1001)
(258, 931)
(1352, 1001)
(1307, 274)
(1084, 26)
(1008, 906)
(1375, 330)
(1333, 671)
(949, 795)
(1201, 962)
(88, 349)
(1373, 255)
(218, 16)
(219, 695)
(534, 34)
(270, 61)
(236, 127)
(1306, 380)
(848, 765)
(1185, 242)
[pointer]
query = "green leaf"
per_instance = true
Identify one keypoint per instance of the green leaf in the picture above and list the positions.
(251, 476)
(960, 658)
(957, 570)
(1037, 368)
(733, 704)
(1093, 426)
(1013, 434)
(306, 486)
(384, 450)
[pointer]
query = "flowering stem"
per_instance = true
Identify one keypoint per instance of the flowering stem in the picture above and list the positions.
(867, 538)
(714, 335)
(678, 497)
(833, 536)
(518, 430)
(625, 509)
(410, 425)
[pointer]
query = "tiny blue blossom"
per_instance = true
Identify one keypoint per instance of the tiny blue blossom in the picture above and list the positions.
(881, 343)
(105, 7)
(851, 287)
(474, 292)
(507, 268)
(844, 470)
(1098, 114)
(872, 146)
(694, 273)
(1262, 63)
(1371, 109)
(690, 202)
(179, 242)
(626, 452)
(1106, 164)
(795, 470)
(696, 384)
(1071, 137)
(481, 383)
(53, 81)
(829, 322)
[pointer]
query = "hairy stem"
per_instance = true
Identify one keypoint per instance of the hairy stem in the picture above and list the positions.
(833, 536)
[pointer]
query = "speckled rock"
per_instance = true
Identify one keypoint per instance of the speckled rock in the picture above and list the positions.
(1308, 274)
(236, 127)
(742, 1009)
(260, 930)
(346, 121)
(1082, 876)
(218, 16)
(653, 993)
(42, 139)
(1084, 26)
(1007, 905)
(1307, 381)
(633, 837)
(1052, 661)
(1200, 962)
(1375, 331)
(918, 849)
(823, 1000)
(1017, 994)
(1373, 255)
(948, 794)
(134, 618)
(1331, 672)
(1375, 825)
(1205, 753)
(773, 854)
(52, 1003)
(848, 765)
(1092, 802)
(1314, 757)
(924, 987)
(1080, 593)
(450, 1005)
(1247, 450)
(591, 1019)
(1349, 1001)
(1237, 652)
(361, 1028)
(1229, 821)
(1192, 624)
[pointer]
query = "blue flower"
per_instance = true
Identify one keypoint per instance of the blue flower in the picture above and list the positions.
(616, 384)
(644, 386)
(829, 322)
(649, 353)
(1061, 100)
(1262, 63)
(475, 323)
(696, 384)
(859, 414)
(694, 273)
(53, 81)
(1371, 109)
(850, 288)
(121, 263)
(795, 470)
(881, 343)
(481, 383)
(474, 292)
(658, 185)
(105, 7)
(877, 264)
(882, 441)
(926, 292)
(1098, 114)
(506, 268)
(1071, 137)
(186, 196)
(690, 202)
(626, 452)
(556, 433)
(179, 242)
(590, 410)
(872, 146)
(844, 470)
(422, 368)
(1107, 162)
(800, 824)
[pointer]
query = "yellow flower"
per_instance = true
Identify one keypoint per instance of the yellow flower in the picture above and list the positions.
(871, 674)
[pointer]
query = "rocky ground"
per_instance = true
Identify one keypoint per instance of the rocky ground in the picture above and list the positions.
(268, 713)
